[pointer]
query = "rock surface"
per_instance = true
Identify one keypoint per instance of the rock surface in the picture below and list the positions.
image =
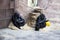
(48, 33)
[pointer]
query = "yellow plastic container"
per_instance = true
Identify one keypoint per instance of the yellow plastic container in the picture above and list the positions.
(48, 23)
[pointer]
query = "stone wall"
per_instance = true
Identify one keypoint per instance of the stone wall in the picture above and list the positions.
(22, 8)
(51, 9)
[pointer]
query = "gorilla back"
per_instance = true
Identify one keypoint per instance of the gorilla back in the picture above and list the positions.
(17, 20)
(40, 22)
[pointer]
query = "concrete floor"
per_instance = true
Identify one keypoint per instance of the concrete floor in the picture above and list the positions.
(48, 33)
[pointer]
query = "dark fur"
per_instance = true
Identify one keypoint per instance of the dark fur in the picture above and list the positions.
(17, 20)
(40, 22)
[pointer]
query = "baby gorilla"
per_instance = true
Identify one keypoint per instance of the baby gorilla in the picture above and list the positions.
(17, 20)
(41, 19)
(40, 22)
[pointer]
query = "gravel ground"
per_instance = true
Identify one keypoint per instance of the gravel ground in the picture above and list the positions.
(45, 34)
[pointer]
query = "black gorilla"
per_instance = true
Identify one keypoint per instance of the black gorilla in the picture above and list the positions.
(40, 22)
(17, 20)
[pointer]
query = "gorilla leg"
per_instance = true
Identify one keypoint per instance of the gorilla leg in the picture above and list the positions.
(37, 27)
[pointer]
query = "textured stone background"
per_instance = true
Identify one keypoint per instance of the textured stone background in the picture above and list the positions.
(51, 8)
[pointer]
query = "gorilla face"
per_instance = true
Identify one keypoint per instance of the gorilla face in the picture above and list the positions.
(17, 20)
